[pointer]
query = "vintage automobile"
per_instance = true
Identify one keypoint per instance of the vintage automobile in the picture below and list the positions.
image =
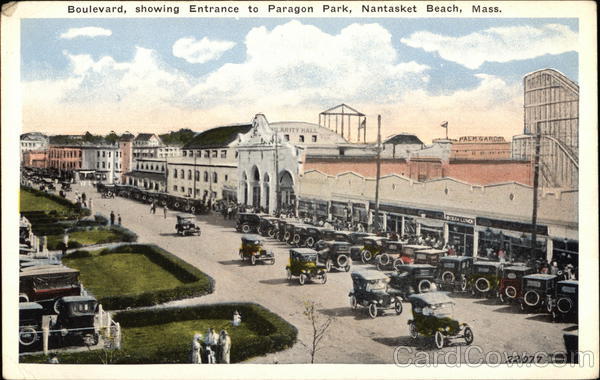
(186, 226)
(433, 317)
(313, 235)
(252, 250)
(75, 324)
(108, 191)
(65, 186)
(564, 302)
(370, 290)
(538, 290)
(300, 233)
(248, 222)
(30, 326)
(335, 254)
(510, 288)
(267, 226)
(452, 272)
(303, 264)
(372, 247)
(392, 256)
(484, 278)
(429, 256)
(413, 278)
(45, 284)
(410, 250)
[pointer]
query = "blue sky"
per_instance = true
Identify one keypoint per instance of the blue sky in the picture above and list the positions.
(163, 74)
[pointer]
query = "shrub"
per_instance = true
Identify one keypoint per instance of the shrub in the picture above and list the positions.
(101, 220)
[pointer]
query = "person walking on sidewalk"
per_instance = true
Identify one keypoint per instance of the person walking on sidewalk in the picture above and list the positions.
(112, 218)
(165, 211)
(119, 219)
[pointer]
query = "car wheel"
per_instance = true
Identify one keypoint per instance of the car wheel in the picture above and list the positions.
(328, 265)
(245, 228)
(468, 335)
(501, 297)
(412, 330)
(342, 261)
(324, 278)
(463, 284)
(259, 230)
(272, 262)
(379, 267)
(398, 305)
(253, 260)
(56, 307)
(27, 336)
(373, 310)
(366, 256)
(241, 256)
(384, 259)
(398, 263)
(302, 279)
(288, 274)
(353, 303)
(511, 292)
(424, 286)
(439, 339)
(310, 241)
(521, 306)
(271, 233)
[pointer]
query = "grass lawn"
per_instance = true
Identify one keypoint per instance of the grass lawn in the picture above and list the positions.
(121, 274)
(31, 202)
(96, 236)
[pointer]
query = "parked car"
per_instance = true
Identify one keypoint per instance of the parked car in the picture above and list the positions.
(372, 247)
(30, 326)
(413, 278)
(538, 290)
(300, 234)
(510, 288)
(485, 278)
(433, 317)
(75, 323)
(429, 256)
(45, 284)
(410, 250)
(252, 250)
(371, 290)
(564, 303)
(452, 272)
(248, 222)
(313, 235)
(267, 226)
(304, 265)
(107, 191)
(186, 226)
(392, 256)
(335, 254)
(65, 186)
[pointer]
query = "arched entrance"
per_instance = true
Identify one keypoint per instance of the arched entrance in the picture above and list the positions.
(286, 189)
(255, 187)
(266, 188)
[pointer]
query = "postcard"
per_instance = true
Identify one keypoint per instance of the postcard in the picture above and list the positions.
(316, 189)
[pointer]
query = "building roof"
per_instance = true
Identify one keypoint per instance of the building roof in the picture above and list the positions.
(217, 137)
(403, 138)
(126, 137)
(145, 136)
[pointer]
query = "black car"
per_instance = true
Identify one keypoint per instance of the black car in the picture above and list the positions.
(335, 254)
(485, 278)
(75, 324)
(370, 290)
(185, 225)
(452, 272)
(313, 235)
(564, 303)
(248, 222)
(413, 278)
(300, 234)
(30, 326)
(267, 226)
(538, 290)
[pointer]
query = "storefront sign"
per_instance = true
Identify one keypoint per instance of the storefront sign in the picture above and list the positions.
(459, 219)
(512, 226)
(481, 139)
(409, 211)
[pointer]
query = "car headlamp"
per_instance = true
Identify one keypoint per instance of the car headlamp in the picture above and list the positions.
(64, 332)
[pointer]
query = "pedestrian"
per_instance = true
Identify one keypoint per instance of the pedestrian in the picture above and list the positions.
(119, 219)
(83, 197)
(112, 218)
(151, 207)
(90, 204)
(554, 268)
(165, 211)
(197, 349)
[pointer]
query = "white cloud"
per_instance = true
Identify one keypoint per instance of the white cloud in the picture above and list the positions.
(88, 31)
(202, 51)
(499, 44)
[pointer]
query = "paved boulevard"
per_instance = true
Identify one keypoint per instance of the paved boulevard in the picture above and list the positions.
(354, 336)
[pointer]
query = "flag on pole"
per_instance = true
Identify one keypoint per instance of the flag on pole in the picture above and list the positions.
(444, 124)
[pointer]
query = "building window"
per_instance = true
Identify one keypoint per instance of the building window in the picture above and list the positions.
(301, 138)
(182, 174)
(98, 154)
(184, 153)
(286, 137)
(205, 176)
(214, 154)
(206, 153)
(174, 187)
(197, 175)
(314, 138)
(189, 174)
(103, 154)
(103, 165)
(109, 165)
(226, 177)
(109, 154)
(236, 154)
(175, 173)
(215, 177)
(223, 154)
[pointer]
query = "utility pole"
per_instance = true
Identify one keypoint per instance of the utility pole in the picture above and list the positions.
(277, 195)
(378, 173)
(536, 174)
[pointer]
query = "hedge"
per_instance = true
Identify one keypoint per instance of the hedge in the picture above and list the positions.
(60, 200)
(271, 334)
(121, 235)
(196, 283)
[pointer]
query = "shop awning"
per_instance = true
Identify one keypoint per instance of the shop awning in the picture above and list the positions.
(433, 223)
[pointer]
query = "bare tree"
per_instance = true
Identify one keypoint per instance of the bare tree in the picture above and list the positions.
(319, 324)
